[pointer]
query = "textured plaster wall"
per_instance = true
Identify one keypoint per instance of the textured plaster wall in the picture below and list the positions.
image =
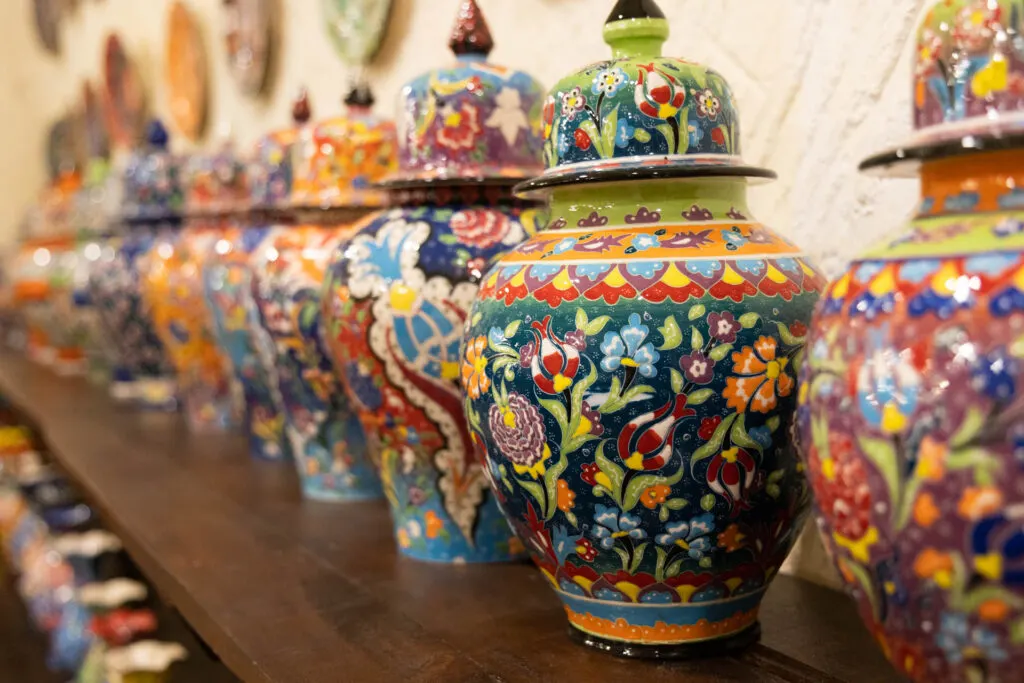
(821, 83)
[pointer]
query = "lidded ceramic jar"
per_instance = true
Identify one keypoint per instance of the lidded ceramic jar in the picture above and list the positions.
(910, 418)
(153, 200)
(229, 290)
(629, 371)
(397, 296)
(330, 193)
(173, 291)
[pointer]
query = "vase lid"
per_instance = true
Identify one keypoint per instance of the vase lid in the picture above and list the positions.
(967, 87)
(640, 114)
(216, 182)
(337, 161)
(269, 169)
(153, 179)
(470, 122)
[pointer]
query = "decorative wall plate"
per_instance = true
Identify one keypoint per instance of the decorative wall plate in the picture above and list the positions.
(124, 97)
(186, 72)
(97, 140)
(47, 15)
(248, 42)
(356, 28)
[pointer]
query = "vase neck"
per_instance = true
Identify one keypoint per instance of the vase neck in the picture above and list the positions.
(991, 181)
(649, 201)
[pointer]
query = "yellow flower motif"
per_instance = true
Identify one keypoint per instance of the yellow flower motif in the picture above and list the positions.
(859, 549)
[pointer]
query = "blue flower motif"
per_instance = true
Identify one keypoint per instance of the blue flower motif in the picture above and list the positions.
(696, 135)
(565, 245)
(916, 271)
(888, 386)
(609, 81)
(867, 270)
(624, 134)
(706, 268)
(995, 375)
(752, 266)
(592, 271)
(610, 524)
(645, 241)
(564, 543)
(692, 536)
(956, 635)
(496, 335)
(627, 347)
(733, 240)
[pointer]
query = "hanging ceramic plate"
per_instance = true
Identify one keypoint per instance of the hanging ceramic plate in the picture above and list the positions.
(97, 142)
(47, 13)
(60, 146)
(357, 28)
(185, 73)
(124, 98)
(248, 42)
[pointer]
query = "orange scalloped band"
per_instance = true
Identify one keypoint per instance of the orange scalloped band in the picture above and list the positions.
(661, 633)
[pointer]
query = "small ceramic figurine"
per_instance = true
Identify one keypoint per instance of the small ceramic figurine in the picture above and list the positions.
(399, 292)
(629, 371)
(334, 163)
(228, 287)
(911, 404)
(173, 291)
(153, 204)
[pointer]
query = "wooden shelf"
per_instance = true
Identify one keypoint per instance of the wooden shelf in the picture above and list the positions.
(287, 591)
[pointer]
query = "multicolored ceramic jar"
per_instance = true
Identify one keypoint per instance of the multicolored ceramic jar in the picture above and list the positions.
(326, 438)
(174, 294)
(910, 418)
(152, 206)
(630, 370)
(398, 294)
(229, 292)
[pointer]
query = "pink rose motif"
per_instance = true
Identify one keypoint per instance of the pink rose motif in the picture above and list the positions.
(480, 227)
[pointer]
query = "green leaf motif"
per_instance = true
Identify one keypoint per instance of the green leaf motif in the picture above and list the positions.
(536, 492)
(609, 129)
(595, 326)
(776, 476)
(882, 453)
(672, 334)
(623, 555)
(581, 319)
(700, 396)
(714, 444)
(611, 470)
(696, 312)
(740, 437)
(663, 514)
(720, 352)
(676, 503)
(787, 337)
(448, 238)
(557, 410)
(511, 329)
(1017, 632)
(551, 476)
(659, 567)
(773, 423)
(707, 503)
(638, 557)
(641, 135)
(696, 339)
(677, 380)
(637, 485)
(748, 320)
(674, 568)
(972, 425)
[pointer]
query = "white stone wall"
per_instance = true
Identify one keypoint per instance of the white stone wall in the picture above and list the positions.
(821, 84)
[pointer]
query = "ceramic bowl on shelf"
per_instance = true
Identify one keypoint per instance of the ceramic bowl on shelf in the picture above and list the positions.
(398, 293)
(629, 371)
(147, 661)
(910, 419)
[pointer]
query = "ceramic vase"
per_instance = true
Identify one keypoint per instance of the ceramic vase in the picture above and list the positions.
(31, 295)
(398, 294)
(910, 418)
(230, 296)
(334, 162)
(629, 371)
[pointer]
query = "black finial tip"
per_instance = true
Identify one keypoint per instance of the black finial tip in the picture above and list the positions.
(635, 9)
(360, 96)
(301, 110)
(471, 35)
(156, 134)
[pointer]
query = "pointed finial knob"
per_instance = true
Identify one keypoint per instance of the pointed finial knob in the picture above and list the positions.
(471, 36)
(301, 111)
(360, 96)
(635, 9)
(156, 134)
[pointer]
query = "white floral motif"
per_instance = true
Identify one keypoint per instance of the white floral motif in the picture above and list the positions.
(509, 117)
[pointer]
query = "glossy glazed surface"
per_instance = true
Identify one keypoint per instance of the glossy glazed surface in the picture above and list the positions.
(395, 307)
(326, 437)
(910, 425)
(630, 380)
(239, 334)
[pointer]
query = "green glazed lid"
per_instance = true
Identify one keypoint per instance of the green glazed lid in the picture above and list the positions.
(640, 114)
